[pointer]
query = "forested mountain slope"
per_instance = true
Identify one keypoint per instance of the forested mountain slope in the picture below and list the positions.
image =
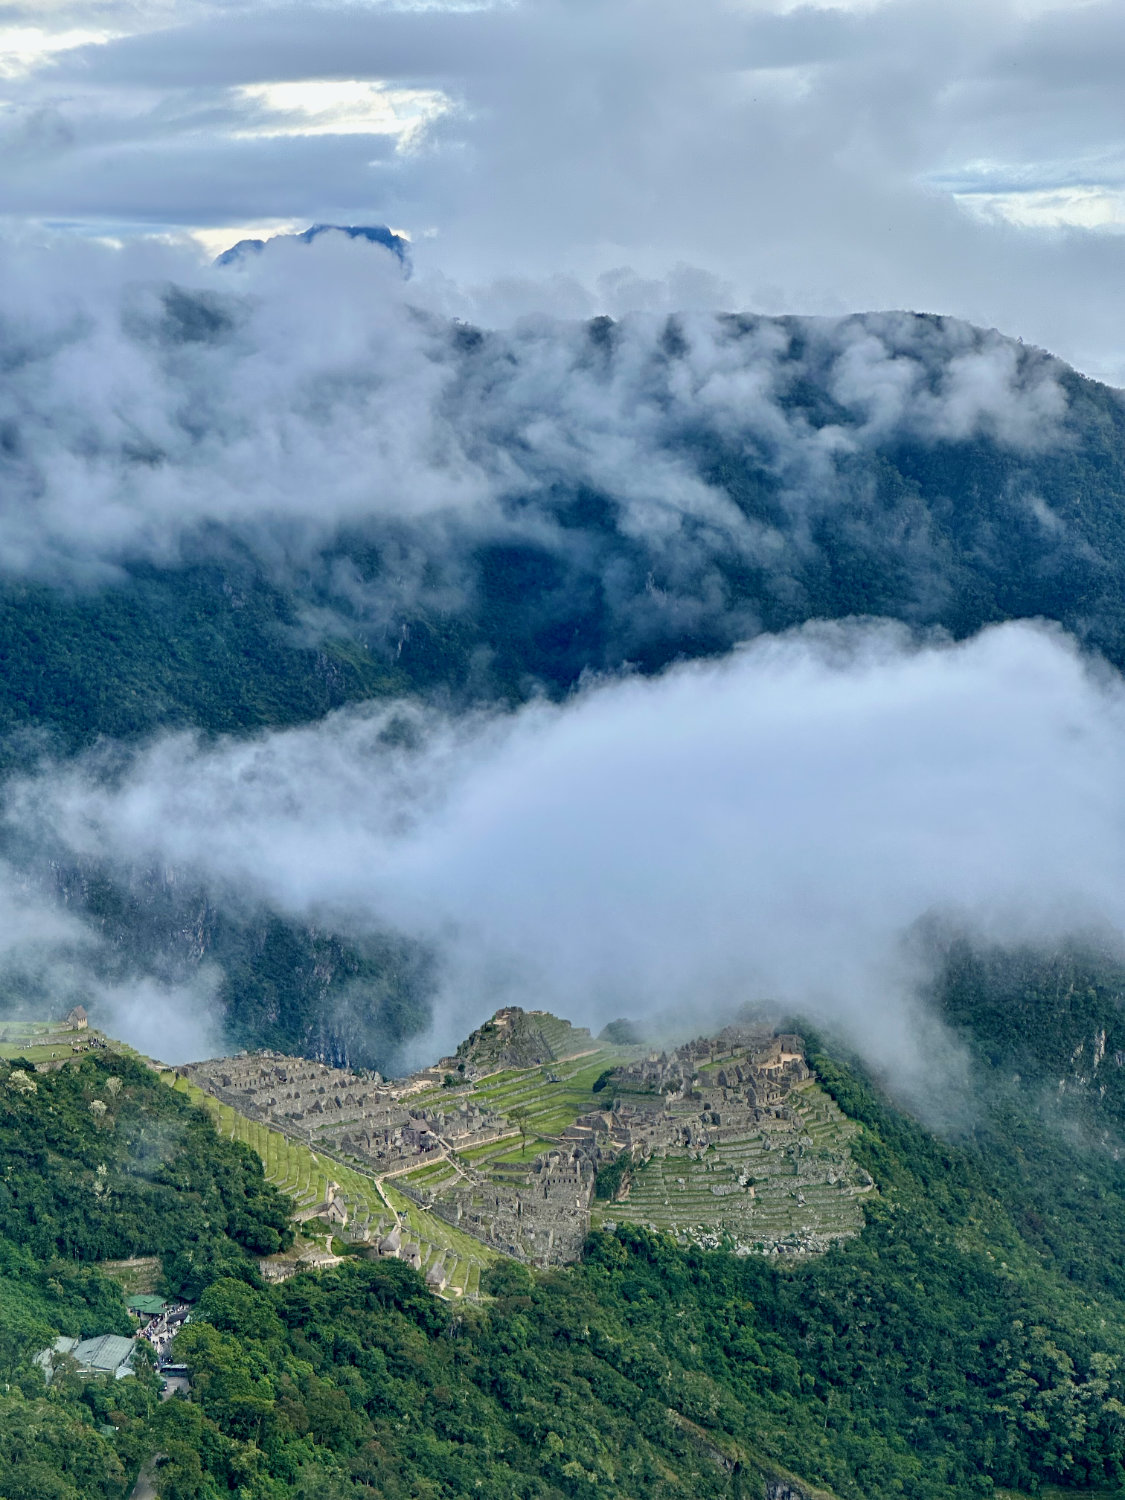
(951, 1347)
(258, 525)
(643, 492)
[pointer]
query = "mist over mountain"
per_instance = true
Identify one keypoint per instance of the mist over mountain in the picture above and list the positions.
(562, 750)
(239, 498)
(492, 508)
(770, 825)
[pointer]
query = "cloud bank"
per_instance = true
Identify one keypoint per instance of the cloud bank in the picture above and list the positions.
(815, 158)
(767, 827)
(310, 393)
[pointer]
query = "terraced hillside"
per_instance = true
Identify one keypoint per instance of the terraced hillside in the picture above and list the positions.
(538, 1104)
(504, 1147)
(52, 1041)
(527, 1191)
(788, 1187)
(373, 1208)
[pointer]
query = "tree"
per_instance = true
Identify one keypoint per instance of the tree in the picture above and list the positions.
(520, 1117)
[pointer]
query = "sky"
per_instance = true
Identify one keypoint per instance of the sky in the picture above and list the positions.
(605, 155)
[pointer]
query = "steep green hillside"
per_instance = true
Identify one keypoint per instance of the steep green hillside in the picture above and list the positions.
(936, 523)
(214, 647)
(951, 1347)
(1055, 1018)
(102, 1161)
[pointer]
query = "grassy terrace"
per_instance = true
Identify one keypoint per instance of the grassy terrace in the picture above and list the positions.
(683, 1195)
(47, 1041)
(435, 1172)
(304, 1175)
(521, 1155)
(46, 1052)
(528, 1098)
(476, 1155)
(41, 1041)
(139, 1275)
(549, 1103)
(544, 1108)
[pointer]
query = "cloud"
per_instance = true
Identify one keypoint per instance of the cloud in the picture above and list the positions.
(173, 1023)
(337, 107)
(52, 959)
(812, 158)
(311, 391)
(771, 826)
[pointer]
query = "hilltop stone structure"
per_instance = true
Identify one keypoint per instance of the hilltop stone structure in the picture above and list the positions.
(516, 1038)
(709, 1106)
(356, 1116)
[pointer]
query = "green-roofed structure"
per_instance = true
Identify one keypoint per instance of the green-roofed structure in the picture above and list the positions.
(146, 1305)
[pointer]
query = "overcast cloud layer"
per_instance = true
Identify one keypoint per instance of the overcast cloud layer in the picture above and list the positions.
(961, 158)
(768, 827)
(311, 389)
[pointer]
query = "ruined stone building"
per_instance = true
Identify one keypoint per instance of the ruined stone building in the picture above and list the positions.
(357, 1116)
(709, 1096)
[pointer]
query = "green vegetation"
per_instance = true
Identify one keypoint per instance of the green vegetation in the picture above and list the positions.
(101, 1161)
(142, 1172)
(957, 1345)
(303, 1175)
(211, 646)
(1056, 1019)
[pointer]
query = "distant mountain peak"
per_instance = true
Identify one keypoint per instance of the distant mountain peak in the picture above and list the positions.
(376, 234)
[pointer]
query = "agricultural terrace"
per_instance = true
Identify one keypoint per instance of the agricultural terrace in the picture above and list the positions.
(539, 1103)
(304, 1175)
(794, 1189)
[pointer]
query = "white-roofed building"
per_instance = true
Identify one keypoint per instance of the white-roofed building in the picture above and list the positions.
(107, 1354)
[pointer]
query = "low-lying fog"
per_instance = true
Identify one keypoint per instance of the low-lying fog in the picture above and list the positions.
(769, 825)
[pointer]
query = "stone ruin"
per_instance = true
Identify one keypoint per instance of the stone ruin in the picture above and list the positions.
(666, 1102)
(681, 1100)
(539, 1213)
(356, 1116)
(711, 1092)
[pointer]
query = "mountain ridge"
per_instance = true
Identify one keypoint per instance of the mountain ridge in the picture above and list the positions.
(783, 470)
(939, 1349)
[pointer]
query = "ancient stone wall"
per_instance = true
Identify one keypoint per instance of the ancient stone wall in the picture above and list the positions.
(695, 1104)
